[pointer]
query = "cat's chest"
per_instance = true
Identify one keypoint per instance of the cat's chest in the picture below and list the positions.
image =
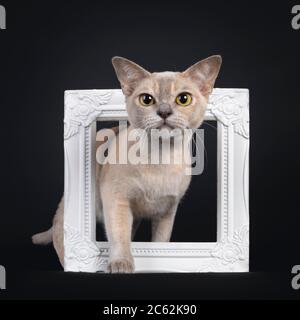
(162, 181)
(157, 191)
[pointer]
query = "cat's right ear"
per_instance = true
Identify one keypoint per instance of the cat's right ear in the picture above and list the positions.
(205, 73)
(128, 73)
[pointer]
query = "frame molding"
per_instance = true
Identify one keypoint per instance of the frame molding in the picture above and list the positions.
(230, 108)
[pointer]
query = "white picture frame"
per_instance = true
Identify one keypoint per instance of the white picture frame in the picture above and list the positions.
(230, 108)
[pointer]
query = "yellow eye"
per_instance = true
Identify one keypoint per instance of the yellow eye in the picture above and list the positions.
(184, 99)
(146, 100)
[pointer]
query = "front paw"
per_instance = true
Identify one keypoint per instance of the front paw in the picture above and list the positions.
(121, 265)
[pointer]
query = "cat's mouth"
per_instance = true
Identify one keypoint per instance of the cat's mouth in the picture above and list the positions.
(170, 125)
(166, 126)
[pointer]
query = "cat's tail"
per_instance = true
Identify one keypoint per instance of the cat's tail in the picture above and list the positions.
(43, 238)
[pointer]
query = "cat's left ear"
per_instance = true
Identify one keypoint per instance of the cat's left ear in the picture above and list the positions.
(205, 73)
(128, 73)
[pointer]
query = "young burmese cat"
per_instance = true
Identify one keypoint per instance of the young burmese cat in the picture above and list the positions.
(128, 192)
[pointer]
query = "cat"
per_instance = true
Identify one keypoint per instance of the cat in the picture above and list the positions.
(126, 193)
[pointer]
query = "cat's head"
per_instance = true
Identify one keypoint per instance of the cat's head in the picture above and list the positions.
(167, 99)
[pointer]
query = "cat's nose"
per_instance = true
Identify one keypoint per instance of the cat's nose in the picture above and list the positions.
(164, 111)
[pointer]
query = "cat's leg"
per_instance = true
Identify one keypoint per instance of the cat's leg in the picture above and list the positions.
(162, 226)
(118, 221)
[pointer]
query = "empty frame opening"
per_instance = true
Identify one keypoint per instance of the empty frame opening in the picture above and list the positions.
(196, 218)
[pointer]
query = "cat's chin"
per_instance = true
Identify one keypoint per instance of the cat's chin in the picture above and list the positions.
(166, 131)
(173, 130)
(166, 127)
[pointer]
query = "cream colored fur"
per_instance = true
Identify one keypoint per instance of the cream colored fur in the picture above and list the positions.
(128, 193)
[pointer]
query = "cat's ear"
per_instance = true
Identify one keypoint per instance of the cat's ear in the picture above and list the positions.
(128, 73)
(205, 73)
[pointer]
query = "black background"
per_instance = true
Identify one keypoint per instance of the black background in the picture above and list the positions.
(52, 46)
